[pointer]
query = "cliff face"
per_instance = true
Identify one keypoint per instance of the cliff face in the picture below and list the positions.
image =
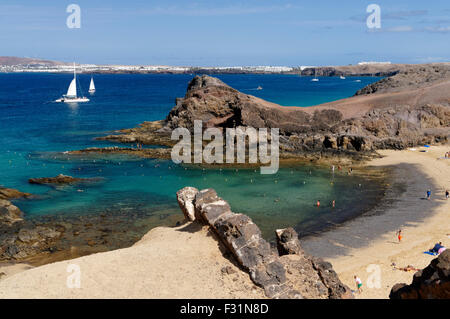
(412, 77)
(433, 282)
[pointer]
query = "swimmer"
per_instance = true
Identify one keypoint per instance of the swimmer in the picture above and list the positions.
(399, 235)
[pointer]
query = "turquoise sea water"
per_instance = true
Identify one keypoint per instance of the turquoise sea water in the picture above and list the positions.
(34, 131)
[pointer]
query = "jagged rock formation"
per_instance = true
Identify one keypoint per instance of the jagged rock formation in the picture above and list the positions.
(185, 198)
(9, 193)
(290, 276)
(58, 180)
(433, 282)
(9, 214)
(352, 128)
(287, 242)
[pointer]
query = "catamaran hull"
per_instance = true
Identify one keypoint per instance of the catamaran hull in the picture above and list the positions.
(77, 100)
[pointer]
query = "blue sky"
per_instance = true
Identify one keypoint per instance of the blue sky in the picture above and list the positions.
(206, 33)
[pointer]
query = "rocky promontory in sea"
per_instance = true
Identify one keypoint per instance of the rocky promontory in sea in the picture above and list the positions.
(410, 108)
(433, 282)
(284, 273)
(60, 180)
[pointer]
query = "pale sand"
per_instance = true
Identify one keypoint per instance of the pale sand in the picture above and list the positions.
(433, 225)
(182, 262)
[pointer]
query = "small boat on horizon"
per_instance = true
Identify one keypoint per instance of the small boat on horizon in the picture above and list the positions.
(259, 88)
(315, 79)
(92, 86)
(71, 96)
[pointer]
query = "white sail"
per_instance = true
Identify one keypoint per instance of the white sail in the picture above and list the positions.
(72, 91)
(92, 86)
(71, 96)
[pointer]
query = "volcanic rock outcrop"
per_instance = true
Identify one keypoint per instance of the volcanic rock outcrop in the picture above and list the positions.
(290, 276)
(351, 128)
(9, 193)
(9, 214)
(58, 180)
(26, 242)
(433, 282)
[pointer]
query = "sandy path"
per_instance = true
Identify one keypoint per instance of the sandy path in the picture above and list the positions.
(182, 262)
(429, 223)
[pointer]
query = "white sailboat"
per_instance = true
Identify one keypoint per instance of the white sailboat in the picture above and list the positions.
(71, 96)
(92, 86)
(315, 79)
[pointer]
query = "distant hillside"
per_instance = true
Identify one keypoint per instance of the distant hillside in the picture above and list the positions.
(12, 60)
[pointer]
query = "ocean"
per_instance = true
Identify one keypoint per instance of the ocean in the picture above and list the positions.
(34, 131)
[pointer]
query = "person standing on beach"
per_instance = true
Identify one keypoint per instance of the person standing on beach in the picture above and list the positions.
(399, 235)
(318, 203)
(333, 203)
(447, 194)
(358, 284)
(429, 194)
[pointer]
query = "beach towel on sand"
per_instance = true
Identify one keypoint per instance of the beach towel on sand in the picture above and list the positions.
(430, 253)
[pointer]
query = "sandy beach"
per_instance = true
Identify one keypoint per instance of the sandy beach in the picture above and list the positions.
(371, 240)
(181, 262)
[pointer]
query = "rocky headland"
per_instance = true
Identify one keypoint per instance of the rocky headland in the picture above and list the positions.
(406, 109)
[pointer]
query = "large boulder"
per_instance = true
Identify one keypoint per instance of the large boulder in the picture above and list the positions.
(433, 282)
(9, 214)
(313, 277)
(185, 198)
(288, 242)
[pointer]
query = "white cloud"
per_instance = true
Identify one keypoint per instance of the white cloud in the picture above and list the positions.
(195, 10)
(404, 28)
(438, 29)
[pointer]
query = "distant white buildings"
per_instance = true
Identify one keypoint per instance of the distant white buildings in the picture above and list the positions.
(90, 68)
(372, 62)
